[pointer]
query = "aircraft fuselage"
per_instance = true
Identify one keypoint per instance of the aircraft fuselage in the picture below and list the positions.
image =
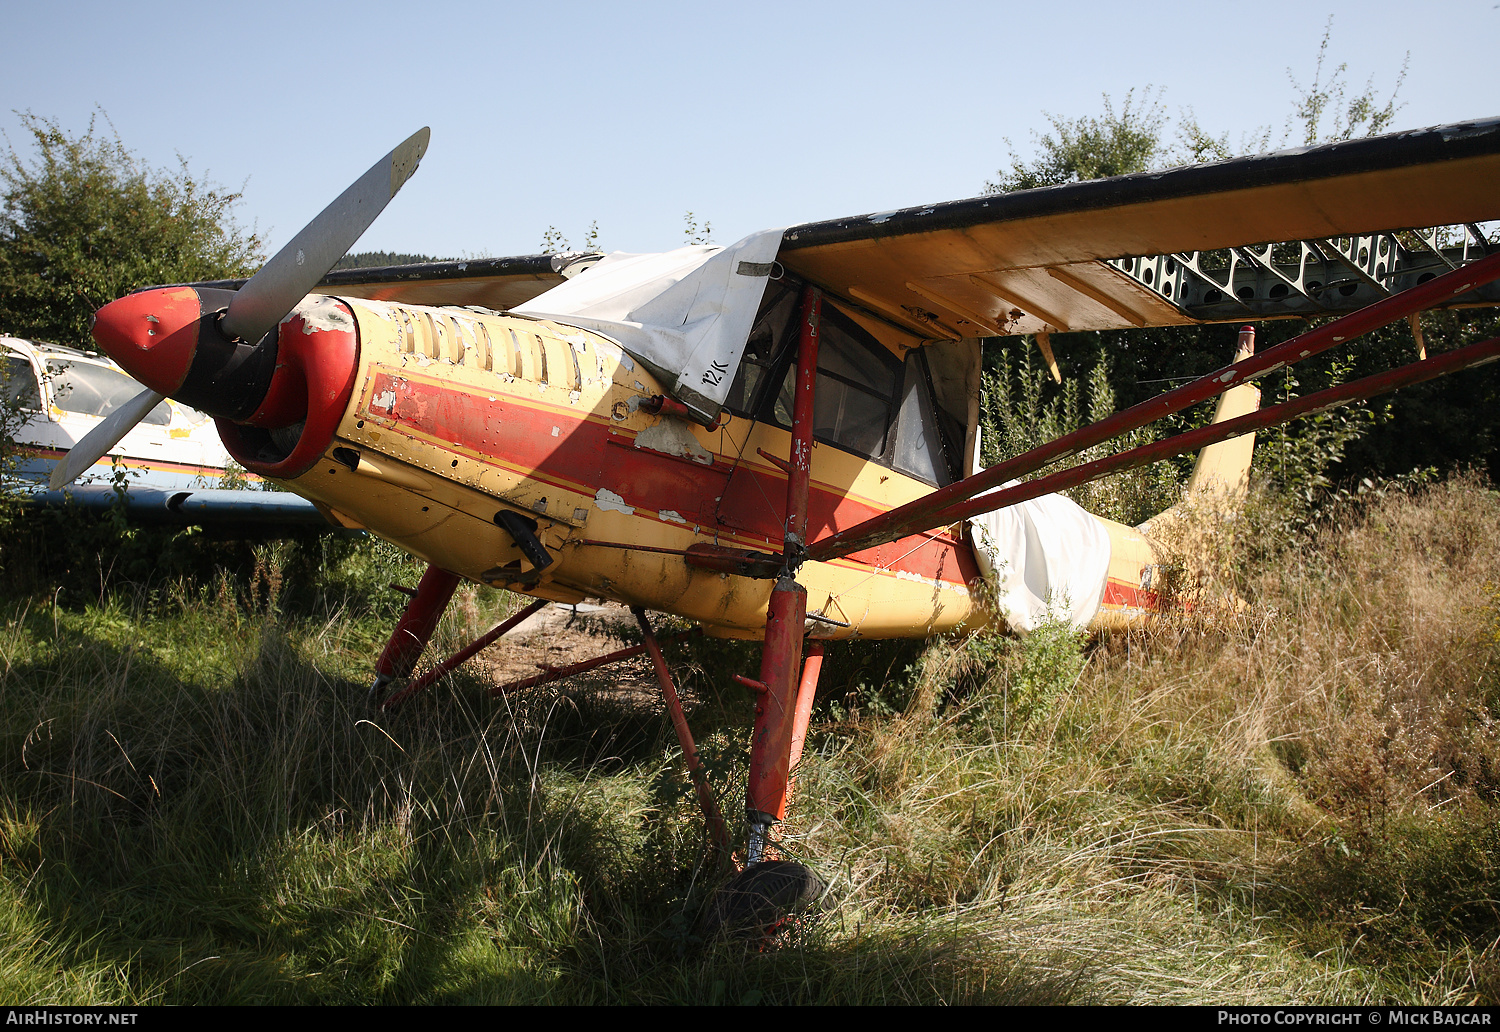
(459, 415)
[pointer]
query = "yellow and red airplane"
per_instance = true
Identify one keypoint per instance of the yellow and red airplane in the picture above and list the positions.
(778, 440)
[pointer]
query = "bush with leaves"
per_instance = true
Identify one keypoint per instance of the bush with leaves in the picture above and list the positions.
(1449, 424)
(1022, 411)
(83, 220)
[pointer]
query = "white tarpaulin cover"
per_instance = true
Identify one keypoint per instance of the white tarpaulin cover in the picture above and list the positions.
(685, 313)
(1045, 555)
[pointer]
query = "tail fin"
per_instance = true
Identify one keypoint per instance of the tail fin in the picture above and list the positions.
(1223, 469)
(1221, 475)
(1220, 479)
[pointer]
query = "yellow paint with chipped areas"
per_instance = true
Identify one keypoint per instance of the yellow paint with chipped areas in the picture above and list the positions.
(438, 500)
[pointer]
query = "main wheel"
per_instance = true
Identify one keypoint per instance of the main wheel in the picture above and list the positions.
(761, 898)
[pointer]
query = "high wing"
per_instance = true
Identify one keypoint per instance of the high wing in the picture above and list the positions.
(1041, 259)
(1107, 254)
(1312, 231)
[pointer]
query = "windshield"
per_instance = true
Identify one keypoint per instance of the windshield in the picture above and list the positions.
(96, 390)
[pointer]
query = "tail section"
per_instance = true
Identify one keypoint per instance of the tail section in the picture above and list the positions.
(1220, 479)
(1222, 473)
(1048, 557)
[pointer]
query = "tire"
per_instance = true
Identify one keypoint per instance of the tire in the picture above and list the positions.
(760, 898)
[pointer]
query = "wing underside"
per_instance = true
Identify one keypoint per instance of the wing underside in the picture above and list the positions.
(1170, 248)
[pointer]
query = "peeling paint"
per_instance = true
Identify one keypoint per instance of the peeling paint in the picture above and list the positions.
(907, 575)
(324, 314)
(1464, 132)
(671, 515)
(607, 499)
(556, 430)
(611, 350)
(672, 437)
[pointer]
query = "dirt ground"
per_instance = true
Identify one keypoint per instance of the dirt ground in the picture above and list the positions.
(560, 635)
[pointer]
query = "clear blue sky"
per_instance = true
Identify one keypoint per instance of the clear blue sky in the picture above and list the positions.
(749, 115)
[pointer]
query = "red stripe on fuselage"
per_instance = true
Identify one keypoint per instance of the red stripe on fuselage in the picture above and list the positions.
(582, 452)
(1118, 593)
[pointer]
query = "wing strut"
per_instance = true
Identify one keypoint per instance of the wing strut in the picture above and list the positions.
(1467, 357)
(718, 831)
(959, 500)
(462, 656)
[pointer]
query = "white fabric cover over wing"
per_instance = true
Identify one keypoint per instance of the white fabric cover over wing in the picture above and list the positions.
(685, 313)
(1046, 555)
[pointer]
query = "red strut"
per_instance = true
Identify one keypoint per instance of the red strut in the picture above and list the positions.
(786, 614)
(416, 625)
(717, 830)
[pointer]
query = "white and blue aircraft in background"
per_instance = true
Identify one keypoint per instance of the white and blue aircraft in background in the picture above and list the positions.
(171, 466)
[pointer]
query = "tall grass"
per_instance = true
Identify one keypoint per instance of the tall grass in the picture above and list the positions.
(1288, 799)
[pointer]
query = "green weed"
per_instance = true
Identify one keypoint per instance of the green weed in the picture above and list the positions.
(1291, 800)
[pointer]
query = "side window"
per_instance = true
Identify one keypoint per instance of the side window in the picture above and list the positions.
(921, 449)
(97, 390)
(762, 350)
(854, 399)
(857, 390)
(866, 401)
(18, 384)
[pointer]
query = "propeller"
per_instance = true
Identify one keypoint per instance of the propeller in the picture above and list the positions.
(98, 441)
(258, 306)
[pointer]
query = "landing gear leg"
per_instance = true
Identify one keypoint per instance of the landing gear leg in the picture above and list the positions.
(399, 659)
(767, 888)
(774, 783)
(717, 830)
(775, 715)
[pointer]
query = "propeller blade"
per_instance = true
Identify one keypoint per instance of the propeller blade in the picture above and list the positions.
(294, 270)
(98, 441)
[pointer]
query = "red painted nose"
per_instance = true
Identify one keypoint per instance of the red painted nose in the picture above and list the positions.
(317, 358)
(301, 376)
(153, 335)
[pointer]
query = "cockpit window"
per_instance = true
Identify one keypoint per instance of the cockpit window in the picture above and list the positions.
(97, 390)
(855, 395)
(921, 447)
(18, 384)
(858, 380)
(866, 401)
